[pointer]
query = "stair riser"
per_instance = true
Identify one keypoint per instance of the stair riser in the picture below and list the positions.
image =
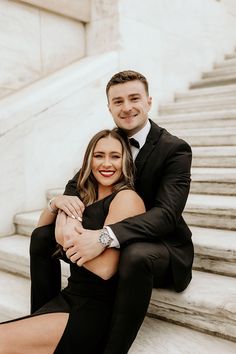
(217, 123)
(25, 230)
(204, 96)
(219, 266)
(204, 218)
(230, 56)
(219, 73)
(226, 63)
(214, 161)
(196, 107)
(218, 325)
(210, 140)
(216, 188)
(211, 83)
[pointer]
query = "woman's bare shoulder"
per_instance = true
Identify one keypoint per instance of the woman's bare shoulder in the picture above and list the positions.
(128, 198)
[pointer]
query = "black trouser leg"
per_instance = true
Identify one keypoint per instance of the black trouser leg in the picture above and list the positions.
(45, 271)
(141, 265)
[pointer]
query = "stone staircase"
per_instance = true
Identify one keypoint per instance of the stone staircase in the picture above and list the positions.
(203, 317)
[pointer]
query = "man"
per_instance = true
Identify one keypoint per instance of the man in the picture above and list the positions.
(156, 247)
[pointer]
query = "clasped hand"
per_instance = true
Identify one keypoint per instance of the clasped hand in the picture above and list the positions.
(80, 245)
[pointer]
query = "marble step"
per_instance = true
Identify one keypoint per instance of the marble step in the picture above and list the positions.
(14, 256)
(214, 156)
(169, 338)
(204, 305)
(225, 119)
(213, 104)
(208, 304)
(207, 136)
(215, 251)
(214, 81)
(211, 211)
(206, 93)
(219, 72)
(218, 181)
(201, 210)
(225, 63)
(230, 56)
(157, 336)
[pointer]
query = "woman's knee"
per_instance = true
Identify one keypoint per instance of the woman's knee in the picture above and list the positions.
(42, 239)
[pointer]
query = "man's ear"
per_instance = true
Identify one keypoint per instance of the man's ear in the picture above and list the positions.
(150, 102)
(108, 106)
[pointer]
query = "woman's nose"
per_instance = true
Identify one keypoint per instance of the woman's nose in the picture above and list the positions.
(107, 162)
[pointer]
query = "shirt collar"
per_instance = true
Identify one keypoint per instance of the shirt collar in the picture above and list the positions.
(142, 134)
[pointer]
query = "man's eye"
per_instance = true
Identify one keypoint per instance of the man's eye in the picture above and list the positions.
(117, 102)
(135, 99)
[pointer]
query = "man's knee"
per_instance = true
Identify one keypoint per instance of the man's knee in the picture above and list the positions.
(42, 239)
(134, 259)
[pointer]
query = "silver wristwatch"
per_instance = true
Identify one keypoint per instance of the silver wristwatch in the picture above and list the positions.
(104, 238)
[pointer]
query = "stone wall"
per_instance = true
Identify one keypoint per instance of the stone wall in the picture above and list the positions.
(35, 43)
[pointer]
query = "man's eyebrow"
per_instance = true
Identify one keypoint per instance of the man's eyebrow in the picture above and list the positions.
(130, 96)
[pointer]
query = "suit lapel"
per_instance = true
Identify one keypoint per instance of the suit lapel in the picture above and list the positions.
(151, 141)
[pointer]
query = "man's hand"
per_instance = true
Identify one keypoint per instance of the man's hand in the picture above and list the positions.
(83, 248)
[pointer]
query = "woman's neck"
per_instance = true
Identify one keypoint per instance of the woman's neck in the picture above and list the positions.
(104, 191)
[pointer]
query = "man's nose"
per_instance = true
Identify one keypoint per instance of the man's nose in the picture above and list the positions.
(127, 106)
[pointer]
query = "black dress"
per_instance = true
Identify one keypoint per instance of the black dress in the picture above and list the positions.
(87, 298)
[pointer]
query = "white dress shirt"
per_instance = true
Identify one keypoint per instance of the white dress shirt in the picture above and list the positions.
(141, 137)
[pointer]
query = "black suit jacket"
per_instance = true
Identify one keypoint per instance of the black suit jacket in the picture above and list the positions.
(163, 181)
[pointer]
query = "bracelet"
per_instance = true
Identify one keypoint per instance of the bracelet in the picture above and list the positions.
(53, 211)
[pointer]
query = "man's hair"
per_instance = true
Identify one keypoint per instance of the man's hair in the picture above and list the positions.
(126, 76)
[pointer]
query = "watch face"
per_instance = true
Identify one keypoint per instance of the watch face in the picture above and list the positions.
(105, 239)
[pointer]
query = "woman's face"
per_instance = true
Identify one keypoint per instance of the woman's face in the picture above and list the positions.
(107, 161)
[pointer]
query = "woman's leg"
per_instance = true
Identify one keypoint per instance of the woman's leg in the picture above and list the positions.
(45, 270)
(33, 335)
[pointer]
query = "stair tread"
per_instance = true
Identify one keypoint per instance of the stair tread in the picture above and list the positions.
(168, 338)
(215, 101)
(206, 201)
(16, 247)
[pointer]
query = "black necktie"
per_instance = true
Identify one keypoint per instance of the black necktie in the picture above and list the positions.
(134, 142)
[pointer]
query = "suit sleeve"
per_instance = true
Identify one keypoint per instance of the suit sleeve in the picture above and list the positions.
(71, 186)
(170, 199)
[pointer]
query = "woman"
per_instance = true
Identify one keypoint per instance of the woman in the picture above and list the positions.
(77, 320)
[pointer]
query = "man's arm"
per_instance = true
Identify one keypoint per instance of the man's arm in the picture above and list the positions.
(86, 250)
(169, 204)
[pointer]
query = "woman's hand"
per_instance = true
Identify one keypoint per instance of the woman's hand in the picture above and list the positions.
(65, 228)
(71, 205)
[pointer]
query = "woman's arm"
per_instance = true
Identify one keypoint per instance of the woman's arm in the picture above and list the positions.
(126, 203)
(71, 205)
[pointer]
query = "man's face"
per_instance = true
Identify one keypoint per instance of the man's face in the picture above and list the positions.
(129, 105)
